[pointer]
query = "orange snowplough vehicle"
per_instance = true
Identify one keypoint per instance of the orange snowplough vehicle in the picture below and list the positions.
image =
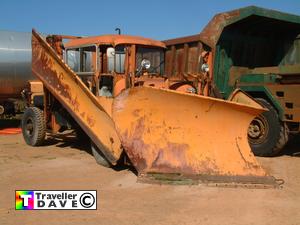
(114, 89)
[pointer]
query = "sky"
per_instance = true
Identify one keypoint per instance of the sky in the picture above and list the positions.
(155, 19)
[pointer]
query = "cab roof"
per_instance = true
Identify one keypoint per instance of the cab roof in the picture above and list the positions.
(114, 39)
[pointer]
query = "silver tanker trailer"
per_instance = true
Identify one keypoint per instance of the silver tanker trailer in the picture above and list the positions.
(15, 70)
(18, 87)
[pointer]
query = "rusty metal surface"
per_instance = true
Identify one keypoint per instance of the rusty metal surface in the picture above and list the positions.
(185, 39)
(256, 182)
(213, 30)
(286, 70)
(288, 97)
(114, 40)
(164, 131)
(183, 57)
(240, 96)
(75, 97)
(35, 86)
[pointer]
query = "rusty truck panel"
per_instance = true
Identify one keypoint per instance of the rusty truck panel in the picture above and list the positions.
(182, 56)
(115, 39)
(184, 60)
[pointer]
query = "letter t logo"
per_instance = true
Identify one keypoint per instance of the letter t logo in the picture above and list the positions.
(25, 199)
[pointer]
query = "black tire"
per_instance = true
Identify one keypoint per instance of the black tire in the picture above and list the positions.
(99, 157)
(267, 135)
(33, 126)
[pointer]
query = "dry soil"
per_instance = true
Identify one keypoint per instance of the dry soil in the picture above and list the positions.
(64, 164)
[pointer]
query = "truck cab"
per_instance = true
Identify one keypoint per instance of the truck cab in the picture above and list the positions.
(108, 64)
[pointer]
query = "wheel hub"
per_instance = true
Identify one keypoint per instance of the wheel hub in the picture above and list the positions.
(258, 130)
(29, 127)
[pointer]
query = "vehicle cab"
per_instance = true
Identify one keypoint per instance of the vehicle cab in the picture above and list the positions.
(108, 64)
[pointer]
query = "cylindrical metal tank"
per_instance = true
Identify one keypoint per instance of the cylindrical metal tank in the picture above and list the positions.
(15, 63)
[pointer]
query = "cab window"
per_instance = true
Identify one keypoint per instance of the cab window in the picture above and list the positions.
(81, 59)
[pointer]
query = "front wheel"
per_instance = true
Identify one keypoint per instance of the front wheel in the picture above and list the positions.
(33, 126)
(267, 135)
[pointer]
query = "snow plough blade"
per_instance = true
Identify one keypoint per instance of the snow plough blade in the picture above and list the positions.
(187, 136)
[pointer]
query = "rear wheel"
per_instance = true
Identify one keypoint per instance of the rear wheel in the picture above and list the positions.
(33, 126)
(99, 157)
(267, 135)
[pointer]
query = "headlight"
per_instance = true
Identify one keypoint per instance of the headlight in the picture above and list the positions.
(204, 67)
(191, 90)
(146, 64)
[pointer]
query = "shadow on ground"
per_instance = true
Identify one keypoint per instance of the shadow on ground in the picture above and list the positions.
(69, 139)
(9, 123)
(293, 147)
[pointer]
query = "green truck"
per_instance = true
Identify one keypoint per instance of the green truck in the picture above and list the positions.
(253, 49)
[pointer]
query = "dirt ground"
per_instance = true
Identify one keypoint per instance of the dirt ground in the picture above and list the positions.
(64, 164)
